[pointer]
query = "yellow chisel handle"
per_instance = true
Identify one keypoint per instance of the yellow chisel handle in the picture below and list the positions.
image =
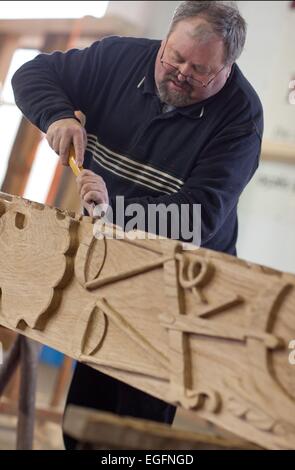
(72, 162)
(75, 168)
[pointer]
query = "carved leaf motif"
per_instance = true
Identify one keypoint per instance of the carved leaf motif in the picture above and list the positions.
(257, 418)
(95, 332)
(260, 420)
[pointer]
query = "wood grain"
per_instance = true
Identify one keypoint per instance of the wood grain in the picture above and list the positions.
(200, 329)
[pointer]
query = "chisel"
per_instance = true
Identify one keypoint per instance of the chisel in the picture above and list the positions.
(77, 170)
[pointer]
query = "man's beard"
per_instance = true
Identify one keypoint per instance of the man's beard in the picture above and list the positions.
(174, 97)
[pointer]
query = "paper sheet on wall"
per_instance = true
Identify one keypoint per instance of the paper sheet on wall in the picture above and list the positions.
(267, 217)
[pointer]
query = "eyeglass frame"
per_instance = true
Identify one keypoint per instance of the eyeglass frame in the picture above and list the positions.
(204, 85)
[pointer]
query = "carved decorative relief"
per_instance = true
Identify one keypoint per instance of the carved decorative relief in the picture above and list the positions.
(37, 262)
(199, 329)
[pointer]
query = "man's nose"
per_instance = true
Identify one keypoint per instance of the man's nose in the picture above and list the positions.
(181, 77)
(183, 73)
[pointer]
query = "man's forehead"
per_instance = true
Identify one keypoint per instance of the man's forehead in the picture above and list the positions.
(194, 50)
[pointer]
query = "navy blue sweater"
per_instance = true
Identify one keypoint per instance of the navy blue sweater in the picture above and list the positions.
(204, 154)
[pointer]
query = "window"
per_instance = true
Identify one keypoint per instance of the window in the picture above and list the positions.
(10, 115)
(54, 9)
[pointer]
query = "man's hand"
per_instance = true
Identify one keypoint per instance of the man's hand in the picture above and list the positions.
(92, 189)
(64, 132)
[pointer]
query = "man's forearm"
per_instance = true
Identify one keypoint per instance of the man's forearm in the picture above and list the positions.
(38, 94)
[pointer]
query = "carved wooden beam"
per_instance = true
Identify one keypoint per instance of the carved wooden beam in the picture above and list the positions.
(199, 329)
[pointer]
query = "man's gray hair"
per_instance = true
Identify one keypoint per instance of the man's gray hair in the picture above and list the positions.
(224, 19)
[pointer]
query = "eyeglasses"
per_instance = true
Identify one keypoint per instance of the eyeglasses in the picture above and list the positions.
(189, 78)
